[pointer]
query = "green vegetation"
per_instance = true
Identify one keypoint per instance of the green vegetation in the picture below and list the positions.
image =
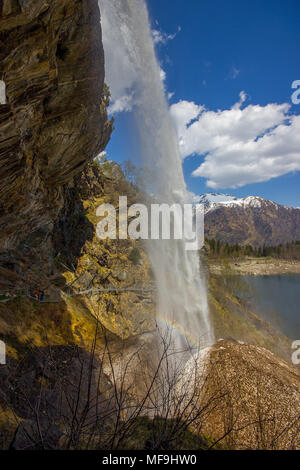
(135, 255)
(106, 95)
(105, 102)
(218, 249)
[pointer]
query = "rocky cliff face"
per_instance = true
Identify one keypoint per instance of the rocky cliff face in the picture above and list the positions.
(53, 123)
(120, 269)
(54, 120)
(116, 315)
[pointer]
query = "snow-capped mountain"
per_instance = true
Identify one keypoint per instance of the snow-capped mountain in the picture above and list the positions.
(210, 199)
(250, 220)
(213, 201)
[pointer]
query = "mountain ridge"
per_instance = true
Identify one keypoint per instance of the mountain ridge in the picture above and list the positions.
(211, 200)
(251, 220)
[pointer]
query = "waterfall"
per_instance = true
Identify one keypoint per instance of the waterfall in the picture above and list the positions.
(134, 76)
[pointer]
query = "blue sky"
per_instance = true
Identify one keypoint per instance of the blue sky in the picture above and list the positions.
(211, 51)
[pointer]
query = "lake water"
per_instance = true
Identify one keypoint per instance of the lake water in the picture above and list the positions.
(276, 298)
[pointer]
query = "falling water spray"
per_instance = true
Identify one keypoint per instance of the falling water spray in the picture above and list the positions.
(134, 76)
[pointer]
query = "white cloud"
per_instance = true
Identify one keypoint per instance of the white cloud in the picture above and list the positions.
(160, 37)
(242, 100)
(240, 145)
(163, 75)
(234, 73)
(124, 103)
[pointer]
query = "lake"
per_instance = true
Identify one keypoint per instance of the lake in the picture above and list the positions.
(276, 298)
